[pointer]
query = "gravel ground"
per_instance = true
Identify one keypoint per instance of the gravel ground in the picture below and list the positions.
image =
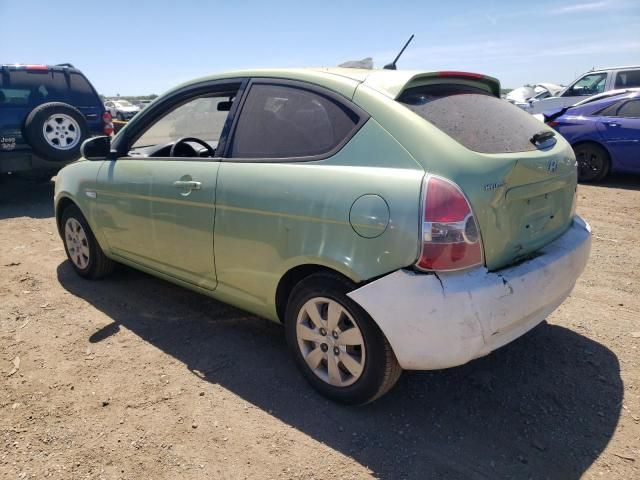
(131, 377)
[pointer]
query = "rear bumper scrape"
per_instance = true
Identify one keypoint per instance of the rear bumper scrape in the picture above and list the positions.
(444, 320)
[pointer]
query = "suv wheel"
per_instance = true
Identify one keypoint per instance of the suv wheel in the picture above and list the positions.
(338, 347)
(56, 131)
(120, 116)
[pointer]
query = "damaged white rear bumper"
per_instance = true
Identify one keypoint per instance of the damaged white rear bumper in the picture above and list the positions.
(439, 321)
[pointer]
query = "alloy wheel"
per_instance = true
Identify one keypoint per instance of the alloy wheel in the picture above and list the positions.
(330, 341)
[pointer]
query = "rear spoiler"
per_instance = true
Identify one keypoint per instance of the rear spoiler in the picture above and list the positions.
(493, 84)
(553, 114)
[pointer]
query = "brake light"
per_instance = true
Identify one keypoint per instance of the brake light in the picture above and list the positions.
(450, 234)
(36, 67)
(108, 123)
(452, 73)
(553, 123)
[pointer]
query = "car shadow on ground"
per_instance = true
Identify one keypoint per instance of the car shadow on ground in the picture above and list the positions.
(625, 181)
(543, 407)
(22, 197)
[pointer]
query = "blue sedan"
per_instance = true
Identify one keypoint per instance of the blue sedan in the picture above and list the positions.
(604, 133)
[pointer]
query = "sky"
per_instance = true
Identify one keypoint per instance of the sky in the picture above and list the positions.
(139, 47)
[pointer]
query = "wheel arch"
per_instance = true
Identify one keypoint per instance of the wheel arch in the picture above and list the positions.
(295, 275)
(61, 205)
(587, 141)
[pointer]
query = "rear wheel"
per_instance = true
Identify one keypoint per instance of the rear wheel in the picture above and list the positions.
(83, 251)
(593, 162)
(119, 116)
(337, 346)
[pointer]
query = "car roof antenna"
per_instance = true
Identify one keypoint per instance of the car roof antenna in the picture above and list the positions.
(392, 65)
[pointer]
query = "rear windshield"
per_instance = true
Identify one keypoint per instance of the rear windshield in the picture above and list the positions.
(473, 117)
(24, 87)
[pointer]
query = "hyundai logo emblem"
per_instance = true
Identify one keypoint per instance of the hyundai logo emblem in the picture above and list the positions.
(552, 166)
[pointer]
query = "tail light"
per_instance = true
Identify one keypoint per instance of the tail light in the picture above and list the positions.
(553, 123)
(450, 235)
(108, 123)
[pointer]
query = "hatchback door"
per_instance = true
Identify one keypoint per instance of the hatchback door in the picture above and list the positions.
(519, 177)
(158, 201)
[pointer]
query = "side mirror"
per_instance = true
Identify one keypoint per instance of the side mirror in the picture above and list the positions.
(96, 148)
(224, 106)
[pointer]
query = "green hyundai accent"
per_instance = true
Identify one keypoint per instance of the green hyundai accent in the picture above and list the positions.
(388, 219)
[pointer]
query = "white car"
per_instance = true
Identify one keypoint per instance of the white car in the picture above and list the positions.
(591, 83)
(523, 96)
(121, 109)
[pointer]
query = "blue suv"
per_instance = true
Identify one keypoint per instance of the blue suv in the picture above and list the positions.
(46, 112)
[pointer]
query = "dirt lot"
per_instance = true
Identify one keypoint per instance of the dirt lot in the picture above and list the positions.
(132, 377)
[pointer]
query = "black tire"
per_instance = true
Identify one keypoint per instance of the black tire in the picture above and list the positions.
(34, 134)
(593, 162)
(119, 116)
(381, 369)
(98, 264)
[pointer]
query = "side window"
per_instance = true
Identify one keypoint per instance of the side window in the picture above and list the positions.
(81, 92)
(202, 118)
(630, 109)
(587, 85)
(628, 79)
(287, 122)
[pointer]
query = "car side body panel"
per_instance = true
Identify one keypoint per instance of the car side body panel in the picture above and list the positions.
(362, 221)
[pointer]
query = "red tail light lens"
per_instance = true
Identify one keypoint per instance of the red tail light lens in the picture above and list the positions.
(450, 234)
(108, 123)
(553, 123)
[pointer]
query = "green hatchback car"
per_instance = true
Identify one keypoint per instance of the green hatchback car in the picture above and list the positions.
(389, 219)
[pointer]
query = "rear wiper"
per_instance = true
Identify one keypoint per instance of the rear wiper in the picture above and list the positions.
(542, 137)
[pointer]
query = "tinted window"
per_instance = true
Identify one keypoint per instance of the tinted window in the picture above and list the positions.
(629, 78)
(631, 109)
(474, 118)
(81, 91)
(281, 122)
(587, 85)
(23, 87)
(198, 118)
(609, 111)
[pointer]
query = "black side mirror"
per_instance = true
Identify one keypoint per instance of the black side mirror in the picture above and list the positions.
(224, 106)
(96, 148)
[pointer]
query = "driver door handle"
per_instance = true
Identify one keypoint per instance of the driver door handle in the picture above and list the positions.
(612, 124)
(187, 184)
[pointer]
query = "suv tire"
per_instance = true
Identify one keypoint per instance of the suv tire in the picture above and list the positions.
(55, 131)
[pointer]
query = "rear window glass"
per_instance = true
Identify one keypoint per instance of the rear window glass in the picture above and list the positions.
(287, 122)
(474, 118)
(630, 109)
(627, 79)
(23, 87)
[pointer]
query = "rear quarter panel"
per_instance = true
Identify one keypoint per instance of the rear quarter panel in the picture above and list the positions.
(272, 217)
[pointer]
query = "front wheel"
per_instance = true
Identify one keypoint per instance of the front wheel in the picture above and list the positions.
(83, 251)
(593, 162)
(338, 347)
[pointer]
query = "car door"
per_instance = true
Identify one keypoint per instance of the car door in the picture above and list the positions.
(158, 206)
(621, 132)
(587, 85)
(272, 198)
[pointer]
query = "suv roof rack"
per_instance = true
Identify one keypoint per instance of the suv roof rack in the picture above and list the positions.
(64, 65)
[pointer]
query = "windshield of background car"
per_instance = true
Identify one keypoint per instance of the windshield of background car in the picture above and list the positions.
(198, 118)
(473, 117)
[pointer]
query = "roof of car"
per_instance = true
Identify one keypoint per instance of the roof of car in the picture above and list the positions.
(345, 80)
(624, 67)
